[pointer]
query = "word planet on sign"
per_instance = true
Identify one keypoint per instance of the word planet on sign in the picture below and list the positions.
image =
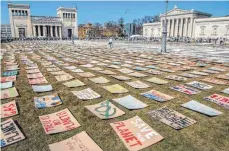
(135, 133)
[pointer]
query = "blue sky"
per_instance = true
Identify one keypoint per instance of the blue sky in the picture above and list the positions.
(105, 11)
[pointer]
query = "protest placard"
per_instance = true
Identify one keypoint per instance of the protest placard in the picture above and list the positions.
(86, 94)
(200, 85)
(185, 89)
(47, 101)
(74, 83)
(157, 80)
(156, 95)
(116, 88)
(99, 80)
(9, 93)
(138, 84)
(8, 109)
(38, 81)
(218, 99)
(9, 78)
(6, 85)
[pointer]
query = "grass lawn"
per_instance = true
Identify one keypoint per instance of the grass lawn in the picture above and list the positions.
(208, 134)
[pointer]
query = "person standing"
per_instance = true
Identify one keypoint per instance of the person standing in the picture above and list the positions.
(110, 43)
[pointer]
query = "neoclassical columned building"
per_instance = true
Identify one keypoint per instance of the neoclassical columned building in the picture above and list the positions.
(64, 25)
(189, 23)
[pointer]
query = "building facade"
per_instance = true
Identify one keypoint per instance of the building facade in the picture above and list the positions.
(23, 24)
(189, 23)
(5, 31)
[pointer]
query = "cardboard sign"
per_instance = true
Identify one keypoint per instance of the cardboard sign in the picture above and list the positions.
(10, 133)
(171, 118)
(96, 69)
(6, 85)
(201, 108)
(189, 75)
(86, 74)
(10, 73)
(47, 101)
(86, 94)
(176, 78)
(9, 78)
(210, 71)
(9, 93)
(38, 81)
(116, 88)
(199, 73)
(121, 78)
(137, 74)
(107, 72)
(33, 71)
(64, 77)
(42, 88)
(185, 89)
(74, 84)
(58, 73)
(130, 102)
(77, 70)
(140, 69)
(105, 110)
(70, 67)
(34, 75)
(214, 81)
(200, 85)
(99, 80)
(217, 69)
(158, 96)
(166, 70)
(226, 91)
(114, 66)
(80, 142)
(58, 122)
(135, 133)
(8, 109)
(223, 76)
(125, 70)
(157, 80)
(218, 99)
(152, 71)
(138, 84)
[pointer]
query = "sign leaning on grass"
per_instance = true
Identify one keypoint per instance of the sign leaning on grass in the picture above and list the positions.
(8, 109)
(171, 118)
(10, 133)
(218, 99)
(135, 133)
(105, 110)
(58, 122)
(79, 142)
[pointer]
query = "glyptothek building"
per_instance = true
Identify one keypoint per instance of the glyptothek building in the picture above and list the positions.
(23, 24)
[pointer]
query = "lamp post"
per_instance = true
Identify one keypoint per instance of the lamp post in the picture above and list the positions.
(164, 32)
(72, 26)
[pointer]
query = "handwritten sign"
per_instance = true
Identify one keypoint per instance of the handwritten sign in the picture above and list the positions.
(86, 74)
(47, 101)
(99, 80)
(58, 122)
(116, 88)
(86, 94)
(33, 71)
(8, 109)
(105, 110)
(74, 83)
(185, 89)
(157, 80)
(135, 133)
(176, 78)
(64, 77)
(214, 81)
(137, 74)
(10, 133)
(10, 73)
(156, 95)
(125, 70)
(9, 78)
(9, 93)
(226, 91)
(200, 85)
(137, 84)
(218, 99)
(34, 75)
(38, 81)
(171, 118)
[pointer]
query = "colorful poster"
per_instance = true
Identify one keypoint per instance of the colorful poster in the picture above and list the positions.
(199, 73)
(130, 102)
(189, 75)
(32, 71)
(218, 99)
(107, 72)
(226, 91)
(47, 101)
(201, 108)
(59, 122)
(79, 142)
(9, 93)
(10, 133)
(217, 69)
(9, 78)
(64, 77)
(42, 88)
(125, 70)
(156, 95)
(121, 78)
(77, 70)
(176, 78)
(157, 80)
(210, 71)
(200, 85)
(185, 89)
(86, 94)
(223, 76)
(74, 83)
(135, 133)
(34, 75)
(58, 73)
(10, 73)
(6, 85)
(86, 74)
(138, 84)
(215, 81)
(8, 109)
(171, 118)
(116, 88)
(38, 81)
(137, 74)
(153, 71)
(105, 110)
(99, 80)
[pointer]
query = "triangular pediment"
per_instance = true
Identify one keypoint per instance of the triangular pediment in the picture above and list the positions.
(176, 11)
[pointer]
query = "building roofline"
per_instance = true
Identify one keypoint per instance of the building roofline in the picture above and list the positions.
(46, 16)
(11, 5)
(65, 8)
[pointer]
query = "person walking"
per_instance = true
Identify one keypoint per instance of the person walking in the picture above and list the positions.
(110, 43)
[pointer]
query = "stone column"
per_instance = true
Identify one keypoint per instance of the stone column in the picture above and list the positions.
(190, 27)
(176, 31)
(51, 32)
(39, 30)
(172, 28)
(60, 31)
(168, 27)
(181, 27)
(34, 31)
(44, 31)
(56, 31)
(186, 27)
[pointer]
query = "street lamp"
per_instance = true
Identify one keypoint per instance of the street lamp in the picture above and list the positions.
(164, 32)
